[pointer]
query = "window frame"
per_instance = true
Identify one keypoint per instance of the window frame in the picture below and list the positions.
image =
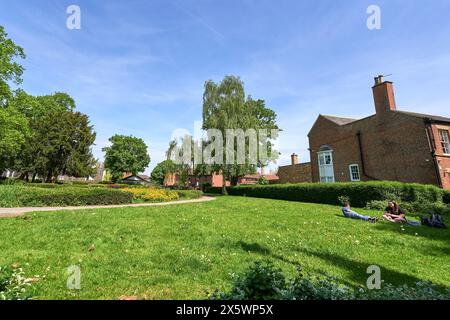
(323, 155)
(354, 165)
(444, 139)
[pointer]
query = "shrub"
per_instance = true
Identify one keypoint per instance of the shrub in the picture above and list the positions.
(360, 193)
(446, 197)
(263, 181)
(265, 282)
(261, 282)
(206, 186)
(189, 194)
(13, 284)
(25, 196)
(152, 194)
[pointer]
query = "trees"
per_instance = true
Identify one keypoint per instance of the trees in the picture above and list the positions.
(60, 141)
(161, 170)
(10, 70)
(126, 154)
(41, 135)
(13, 133)
(226, 107)
(14, 127)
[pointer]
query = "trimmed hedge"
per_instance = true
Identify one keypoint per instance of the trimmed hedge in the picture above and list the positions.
(446, 197)
(189, 194)
(360, 193)
(24, 196)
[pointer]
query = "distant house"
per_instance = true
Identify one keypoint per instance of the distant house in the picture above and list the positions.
(136, 179)
(295, 172)
(254, 178)
(389, 145)
(215, 180)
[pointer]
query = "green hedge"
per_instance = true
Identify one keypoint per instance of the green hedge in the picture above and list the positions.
(25, 196)
(447, 196)
(189, 194)
(359, 193)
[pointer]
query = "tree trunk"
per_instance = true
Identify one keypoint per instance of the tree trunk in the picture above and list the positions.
(49, 177)
(224, 186)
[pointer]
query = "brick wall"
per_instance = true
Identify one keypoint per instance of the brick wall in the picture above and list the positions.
(297, 173)
(395, 147)
(443, 159)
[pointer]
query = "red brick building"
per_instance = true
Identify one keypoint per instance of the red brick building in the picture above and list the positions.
(389, 145)
(295, 172)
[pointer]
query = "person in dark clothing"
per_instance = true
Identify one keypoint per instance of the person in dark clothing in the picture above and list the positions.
(394, 213)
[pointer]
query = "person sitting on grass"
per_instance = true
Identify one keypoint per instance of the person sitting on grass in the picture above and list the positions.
(348, 213)
(394, 213)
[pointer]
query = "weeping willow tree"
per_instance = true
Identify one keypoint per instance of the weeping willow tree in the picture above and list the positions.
(225, 107)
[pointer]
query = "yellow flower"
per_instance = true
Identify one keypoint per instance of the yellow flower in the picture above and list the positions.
(153, 194)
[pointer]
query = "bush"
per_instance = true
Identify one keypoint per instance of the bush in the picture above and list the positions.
(152, 194)
(446, 197)
(360, 193)
(261, 282)
(189, 194)
(265, 282)
(25, 196)
(13, 284)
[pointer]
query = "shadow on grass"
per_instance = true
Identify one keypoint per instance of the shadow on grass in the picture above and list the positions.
(356, 270)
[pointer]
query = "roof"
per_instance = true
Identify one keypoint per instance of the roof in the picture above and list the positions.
(257, 176)
(297, 164)
(425, 116)
(138, 177)
(339, 120)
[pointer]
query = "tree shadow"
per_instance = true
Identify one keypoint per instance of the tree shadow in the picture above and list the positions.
(357, 271)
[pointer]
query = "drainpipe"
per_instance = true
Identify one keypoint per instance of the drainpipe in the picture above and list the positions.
(361, 155)
(432, 144)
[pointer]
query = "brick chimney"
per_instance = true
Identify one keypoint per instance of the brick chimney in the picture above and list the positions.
(294, 159)
(383, 95)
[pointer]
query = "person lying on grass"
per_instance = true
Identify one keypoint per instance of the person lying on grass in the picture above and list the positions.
(348, 213)
(394, 213)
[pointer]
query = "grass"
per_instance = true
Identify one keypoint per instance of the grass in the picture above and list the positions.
(183, 251)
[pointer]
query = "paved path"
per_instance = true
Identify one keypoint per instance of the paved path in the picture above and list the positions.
(16, 212)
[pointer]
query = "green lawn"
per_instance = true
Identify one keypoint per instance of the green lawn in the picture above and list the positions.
(183, 251)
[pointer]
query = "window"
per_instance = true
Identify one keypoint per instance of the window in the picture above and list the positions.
(326, 170)
(354, 172)
(445, 141)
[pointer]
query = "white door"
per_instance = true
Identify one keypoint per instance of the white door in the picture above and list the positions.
(326, 169)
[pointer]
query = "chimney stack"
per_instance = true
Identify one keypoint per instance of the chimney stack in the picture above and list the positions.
(294, 159)
(383, 95)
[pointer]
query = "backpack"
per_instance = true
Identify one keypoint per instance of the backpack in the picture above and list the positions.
(435, 221)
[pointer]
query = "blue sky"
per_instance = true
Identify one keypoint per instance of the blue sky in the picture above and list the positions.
(138, 67)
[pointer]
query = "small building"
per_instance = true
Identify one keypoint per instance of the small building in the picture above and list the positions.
(389, 145)
(136, 179)
(295, 172)
(252, 179)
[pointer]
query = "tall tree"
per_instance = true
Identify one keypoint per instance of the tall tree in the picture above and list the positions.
(161, 170)
(54, 147)
(226, 107)
(14, 132)
(13, 125)
(10, 69)
(126, 154)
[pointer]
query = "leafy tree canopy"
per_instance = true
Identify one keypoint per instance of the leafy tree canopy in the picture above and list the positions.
(162, 169)
(126, 154)
(10, 69)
